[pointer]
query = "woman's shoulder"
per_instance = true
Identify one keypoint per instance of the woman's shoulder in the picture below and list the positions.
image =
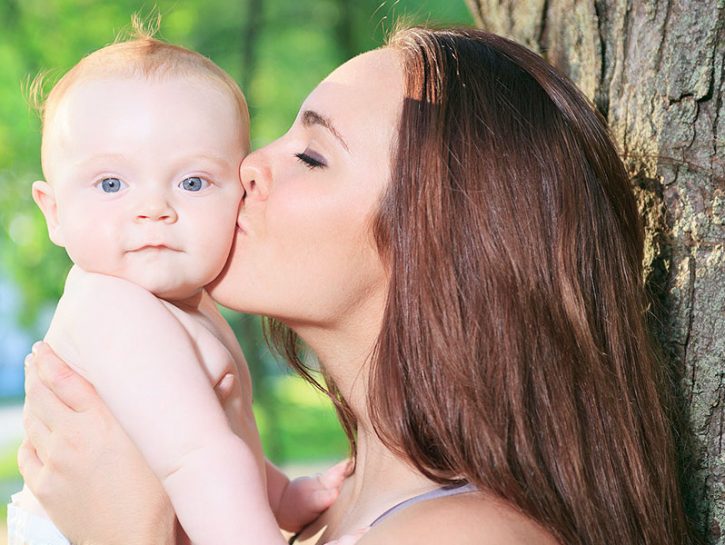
(465, 519)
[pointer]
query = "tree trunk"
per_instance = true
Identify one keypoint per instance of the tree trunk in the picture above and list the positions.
(655, 69)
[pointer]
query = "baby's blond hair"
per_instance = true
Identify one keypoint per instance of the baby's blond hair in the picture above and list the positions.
(141, 56)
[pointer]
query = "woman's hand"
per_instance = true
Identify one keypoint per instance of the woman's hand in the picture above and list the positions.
(83, 468)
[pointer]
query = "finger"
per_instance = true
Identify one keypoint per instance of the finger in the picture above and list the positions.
(354, 537)
(322, 498)
(29, 465)
(349, 539)
(334, 476)
(40, 400)
(349, 465)
(68, 386)
(37, 435)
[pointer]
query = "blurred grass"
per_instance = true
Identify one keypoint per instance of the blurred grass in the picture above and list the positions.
(9, 464)
(9, 479)
(305, 424)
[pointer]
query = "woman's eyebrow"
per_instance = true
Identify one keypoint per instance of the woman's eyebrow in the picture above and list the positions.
(310, 117)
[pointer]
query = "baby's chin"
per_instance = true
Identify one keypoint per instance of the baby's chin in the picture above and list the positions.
(178, 295)
(172, 290)
(172, 293)
(163, 281)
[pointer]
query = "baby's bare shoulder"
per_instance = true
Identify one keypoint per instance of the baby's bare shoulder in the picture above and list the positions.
(469, 519)
(93, 302)
(94, 289)
(100, 316)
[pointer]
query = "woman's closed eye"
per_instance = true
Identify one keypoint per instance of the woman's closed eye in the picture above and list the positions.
(311, 159)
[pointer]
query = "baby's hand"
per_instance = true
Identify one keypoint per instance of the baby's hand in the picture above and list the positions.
(349, 539)
(305, 498)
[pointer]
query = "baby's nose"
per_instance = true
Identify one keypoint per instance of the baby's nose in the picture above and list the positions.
(156, 209)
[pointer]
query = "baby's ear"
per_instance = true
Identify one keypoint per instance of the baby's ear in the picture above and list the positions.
(44, 197)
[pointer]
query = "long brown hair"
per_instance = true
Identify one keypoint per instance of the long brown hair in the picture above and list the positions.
(515, 353)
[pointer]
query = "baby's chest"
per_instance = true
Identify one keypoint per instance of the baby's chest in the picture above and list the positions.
(224, 364)
(216, 357)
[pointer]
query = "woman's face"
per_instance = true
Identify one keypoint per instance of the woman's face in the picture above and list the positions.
(304, 251)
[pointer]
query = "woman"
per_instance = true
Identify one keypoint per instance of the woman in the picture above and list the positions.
(448, 227)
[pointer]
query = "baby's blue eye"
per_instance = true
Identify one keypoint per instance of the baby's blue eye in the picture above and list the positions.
(111, 185)
(193, 183)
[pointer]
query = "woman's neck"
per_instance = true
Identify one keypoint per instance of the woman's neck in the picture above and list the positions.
(345, 352)
(382, 478)
(382, 474)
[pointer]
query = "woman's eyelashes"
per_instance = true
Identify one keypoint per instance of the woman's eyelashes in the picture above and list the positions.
(311, 159)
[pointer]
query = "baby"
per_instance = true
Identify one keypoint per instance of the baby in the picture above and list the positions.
(141, 148)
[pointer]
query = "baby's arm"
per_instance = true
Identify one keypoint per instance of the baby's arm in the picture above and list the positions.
(144, 365)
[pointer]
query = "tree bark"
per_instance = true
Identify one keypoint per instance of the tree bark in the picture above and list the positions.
(655, 69)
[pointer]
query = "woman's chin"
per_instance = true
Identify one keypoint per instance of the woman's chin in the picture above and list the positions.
(221, 290)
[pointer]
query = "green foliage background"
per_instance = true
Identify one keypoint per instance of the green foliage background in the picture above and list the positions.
(293, 45)
(277, 49)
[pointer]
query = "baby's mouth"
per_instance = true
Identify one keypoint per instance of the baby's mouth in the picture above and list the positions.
(153, 247)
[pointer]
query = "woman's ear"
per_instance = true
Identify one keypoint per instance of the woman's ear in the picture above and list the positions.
(44, 197)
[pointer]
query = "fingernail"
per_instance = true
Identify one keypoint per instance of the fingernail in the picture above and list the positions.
(28, 359)
(36, 346)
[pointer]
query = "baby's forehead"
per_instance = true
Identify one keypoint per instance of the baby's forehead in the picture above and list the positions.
(113, 85)
(105, 97)
(102, 117)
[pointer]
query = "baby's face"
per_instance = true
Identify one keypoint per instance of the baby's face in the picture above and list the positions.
(145, 176)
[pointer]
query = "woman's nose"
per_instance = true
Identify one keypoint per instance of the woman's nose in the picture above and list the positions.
(255, 175)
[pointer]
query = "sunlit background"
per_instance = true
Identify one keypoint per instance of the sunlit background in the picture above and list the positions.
(278, 50)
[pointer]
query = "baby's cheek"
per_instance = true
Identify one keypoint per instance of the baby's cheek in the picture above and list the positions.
(214, 250)
(95, 246)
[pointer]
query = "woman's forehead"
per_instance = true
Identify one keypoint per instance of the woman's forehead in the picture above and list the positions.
(378, 65)
(364, 93)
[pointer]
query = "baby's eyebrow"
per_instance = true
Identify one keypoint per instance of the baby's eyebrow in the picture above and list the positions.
(218, 160)
(311, 117)
(102, 158)
(109, 159)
